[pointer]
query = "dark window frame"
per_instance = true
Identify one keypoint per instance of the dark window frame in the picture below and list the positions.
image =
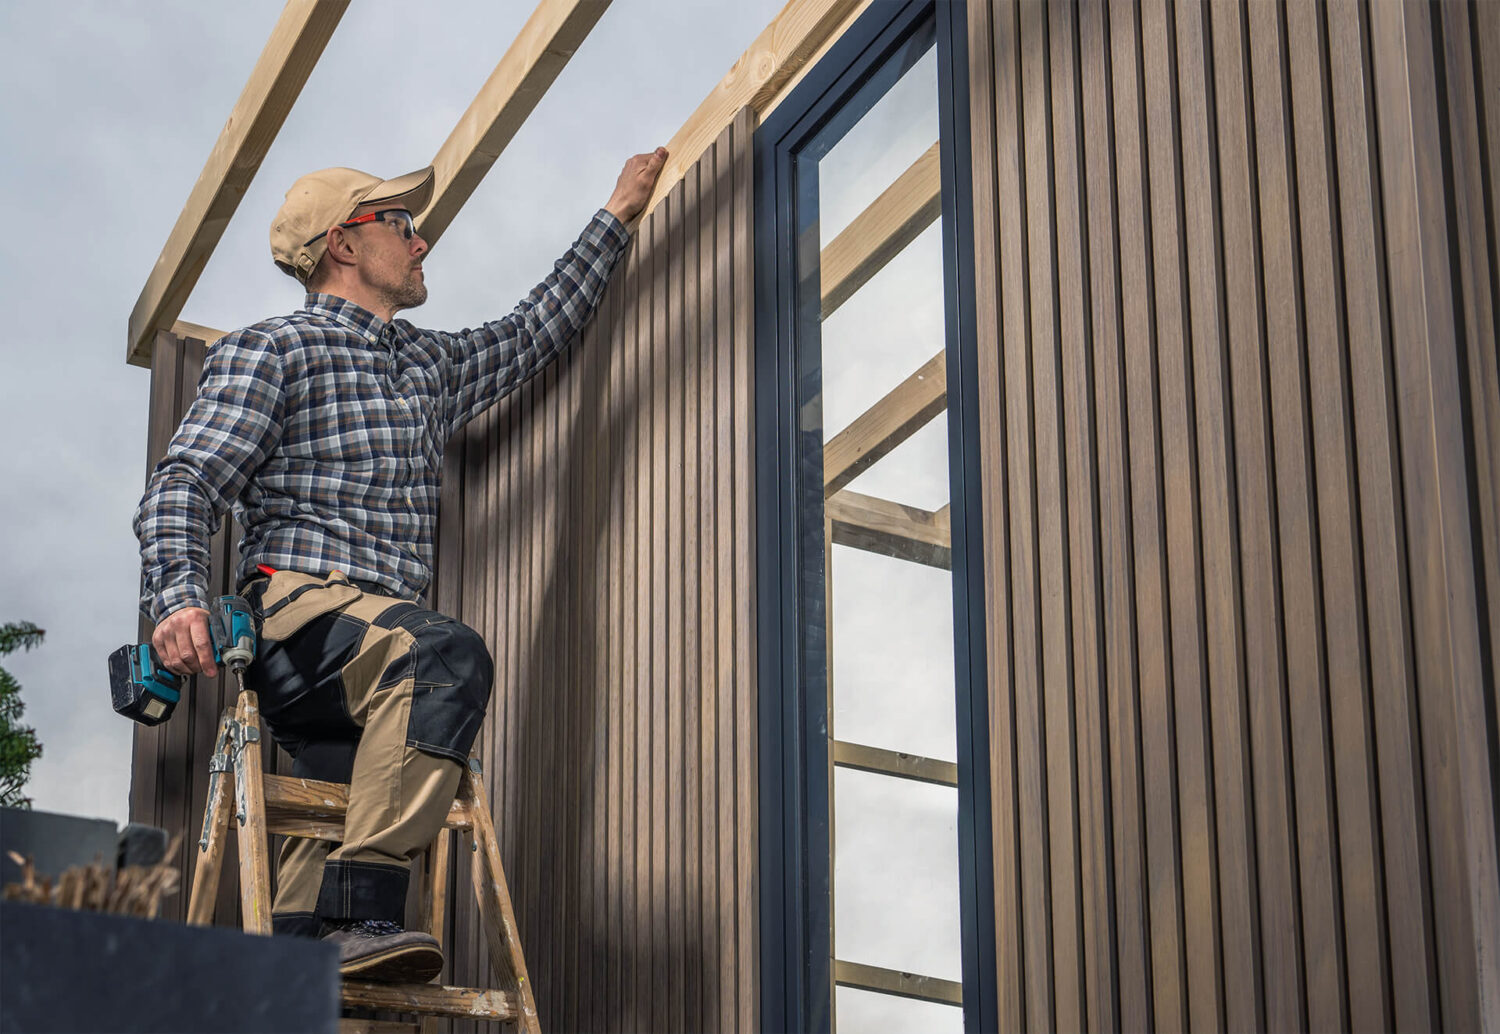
(796, 978)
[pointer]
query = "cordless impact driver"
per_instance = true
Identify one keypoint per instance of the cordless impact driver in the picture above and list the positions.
(142, 689)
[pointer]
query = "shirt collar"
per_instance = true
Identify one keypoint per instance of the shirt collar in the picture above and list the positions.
(357, 318)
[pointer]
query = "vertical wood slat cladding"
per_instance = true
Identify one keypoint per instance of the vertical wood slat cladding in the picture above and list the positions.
(597, 532)
(1237, 275)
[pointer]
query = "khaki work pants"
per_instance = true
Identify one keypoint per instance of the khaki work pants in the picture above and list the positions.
(376, 692)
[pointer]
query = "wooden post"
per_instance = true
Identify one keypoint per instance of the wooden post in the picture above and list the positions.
(495, 912)
(437, 904)
(215, 828)
(255, 866)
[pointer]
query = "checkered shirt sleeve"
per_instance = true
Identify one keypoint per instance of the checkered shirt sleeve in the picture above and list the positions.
(228, 431)
(491, 361)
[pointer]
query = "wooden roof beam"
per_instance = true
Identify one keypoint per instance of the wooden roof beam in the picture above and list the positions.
(894, 763)
(538, 54)
(197, 331)
(801, 31)
(877, 431)
(895, 982)
(763, 75)
(298, 39)
(891, 529)
(877, 235)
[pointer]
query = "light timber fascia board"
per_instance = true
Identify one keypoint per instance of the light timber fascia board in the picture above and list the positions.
(538, 54)
(877, 235)
(895, 982)
(890, 529)
(784, 49)
(298, 39)
(763, 111)
(885, 425)
(197, 331)
(894, 763)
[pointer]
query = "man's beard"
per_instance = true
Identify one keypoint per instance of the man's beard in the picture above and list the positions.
(408, 294)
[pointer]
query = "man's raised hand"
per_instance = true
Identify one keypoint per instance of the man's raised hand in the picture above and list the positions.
(636, 182)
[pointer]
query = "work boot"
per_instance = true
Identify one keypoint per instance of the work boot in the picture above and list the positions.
(376, 949)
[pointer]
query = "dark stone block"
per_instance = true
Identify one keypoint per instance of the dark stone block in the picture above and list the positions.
(54, 842)
(62, 970)
(142, 845)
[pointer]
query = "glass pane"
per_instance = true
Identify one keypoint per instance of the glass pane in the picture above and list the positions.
(889, 617)
(868, 1012)
(870, 157)
(896, 874)
(883, 334)
(893, 654)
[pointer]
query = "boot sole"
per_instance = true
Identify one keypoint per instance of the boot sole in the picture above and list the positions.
(409, 963)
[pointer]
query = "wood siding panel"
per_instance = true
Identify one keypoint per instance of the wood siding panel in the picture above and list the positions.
(607, 549)
(1236, 275)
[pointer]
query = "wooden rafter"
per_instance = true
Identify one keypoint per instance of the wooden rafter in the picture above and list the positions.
(885, 425)
(895, 982)
(894, 763)
(296, 42)
(197, 331)
(772, 65)
(784, 48)
(877, 235)
(890, 529)
(539, 52)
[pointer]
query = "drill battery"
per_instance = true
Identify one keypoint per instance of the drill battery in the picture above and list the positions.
(140, 687)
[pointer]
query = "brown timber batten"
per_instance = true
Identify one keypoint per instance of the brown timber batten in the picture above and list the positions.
(1236, 273)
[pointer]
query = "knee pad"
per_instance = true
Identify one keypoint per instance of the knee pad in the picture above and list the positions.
(453, 674)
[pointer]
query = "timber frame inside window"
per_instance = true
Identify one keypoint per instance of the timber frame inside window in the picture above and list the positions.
(798, 972)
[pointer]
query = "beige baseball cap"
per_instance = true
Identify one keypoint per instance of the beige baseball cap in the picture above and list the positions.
(323, 199)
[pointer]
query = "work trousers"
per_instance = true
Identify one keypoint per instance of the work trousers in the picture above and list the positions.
(378, 693)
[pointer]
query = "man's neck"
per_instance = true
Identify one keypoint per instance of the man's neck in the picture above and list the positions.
(364, 297)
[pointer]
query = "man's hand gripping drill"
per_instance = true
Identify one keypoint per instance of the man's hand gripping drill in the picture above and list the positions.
(145, 680)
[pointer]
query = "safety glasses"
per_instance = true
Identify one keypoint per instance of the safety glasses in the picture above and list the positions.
(404, 221)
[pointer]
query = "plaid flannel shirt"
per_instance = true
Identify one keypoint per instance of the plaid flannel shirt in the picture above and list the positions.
(325, 431)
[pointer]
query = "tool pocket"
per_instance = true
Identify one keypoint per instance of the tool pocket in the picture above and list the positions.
(291, 600)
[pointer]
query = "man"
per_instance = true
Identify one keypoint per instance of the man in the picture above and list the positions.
(325, 431)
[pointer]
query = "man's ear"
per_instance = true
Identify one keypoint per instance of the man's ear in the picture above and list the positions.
(340, 248)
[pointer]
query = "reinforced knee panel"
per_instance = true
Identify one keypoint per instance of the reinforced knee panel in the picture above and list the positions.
(451, 673)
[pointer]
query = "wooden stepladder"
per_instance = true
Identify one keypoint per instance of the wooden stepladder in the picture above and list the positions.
(265, 804)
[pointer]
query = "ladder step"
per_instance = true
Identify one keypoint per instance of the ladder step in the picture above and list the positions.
(314, 809)
(432, 1000)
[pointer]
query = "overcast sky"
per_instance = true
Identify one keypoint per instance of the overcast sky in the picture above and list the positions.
(108, 110)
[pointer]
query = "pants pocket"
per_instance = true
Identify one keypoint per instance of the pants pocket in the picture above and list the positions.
(290, 600)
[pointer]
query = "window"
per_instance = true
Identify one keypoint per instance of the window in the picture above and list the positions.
(871, 754)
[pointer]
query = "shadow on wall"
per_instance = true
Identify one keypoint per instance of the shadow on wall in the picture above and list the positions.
(590, 561)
